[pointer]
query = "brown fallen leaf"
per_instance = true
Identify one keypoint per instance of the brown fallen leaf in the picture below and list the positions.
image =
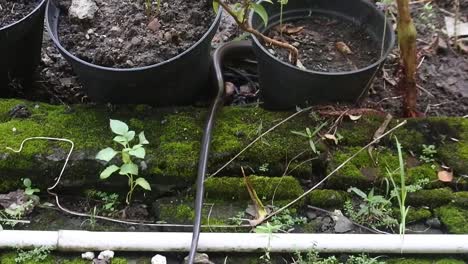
(445, 176)
(288, 29)
(260, 211)
(343, 48)
(154, 25)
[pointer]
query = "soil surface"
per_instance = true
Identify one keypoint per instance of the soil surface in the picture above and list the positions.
(14, 10)
(322, 42)
(123, 34)
(442, 73)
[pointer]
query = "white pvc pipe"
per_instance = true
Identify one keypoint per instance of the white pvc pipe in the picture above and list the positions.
(81, 241)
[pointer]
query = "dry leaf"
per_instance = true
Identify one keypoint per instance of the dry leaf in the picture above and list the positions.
(354, 117)
(293, 30)
(260, 210)
(343, 48)
(331, 137)
(445, 176)
(300, 65)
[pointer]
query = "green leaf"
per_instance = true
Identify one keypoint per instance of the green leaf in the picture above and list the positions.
(143, 183)
(312, 145)
(27, 182)
(29, 191)
(142, 138)
(260, 10)
(299, 133)
(138, 152)
(216, 6)
(126, 157)
(108, 171)
(118, 127)
(358, 192)
(121, 140)
(106, 154)
(129, 168)
(130, 135)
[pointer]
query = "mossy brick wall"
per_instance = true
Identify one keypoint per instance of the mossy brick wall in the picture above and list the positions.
(174, 134)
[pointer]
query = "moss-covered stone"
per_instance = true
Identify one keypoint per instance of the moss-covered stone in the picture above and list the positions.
(432, 198)
(361, 131)
(181, 213)
(172, 156)
(327, 198)
(454, 219)
(461, 199)
(267, 188)
(455, 155)
(361, 171)
(417, 214)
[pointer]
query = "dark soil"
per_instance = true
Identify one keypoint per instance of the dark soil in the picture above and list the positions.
(120, 35)
(14, 10)
(317, 44)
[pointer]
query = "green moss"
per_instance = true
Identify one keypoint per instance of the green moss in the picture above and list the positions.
(454, 219)
(75, 261)
(267, 188)
(449, 261)
(424, 261)
(360, 132)
(461, 199)
(455, 155)
(417, 214)
(409, 139)
(432, 198)
(9, 258)
(119, 261)
(421, 172)
(327, 198)
(361, 171)
(179, 213)
(409, 261)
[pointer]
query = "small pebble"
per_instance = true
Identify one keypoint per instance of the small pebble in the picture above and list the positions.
(88, 255)
(106, 254)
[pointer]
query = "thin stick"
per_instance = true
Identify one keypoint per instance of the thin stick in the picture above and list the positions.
(257, 139)
(333, 172)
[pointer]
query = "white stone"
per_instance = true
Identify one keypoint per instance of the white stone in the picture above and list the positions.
(106, 254)
(88, 255)
(82, 9)
(158, 259)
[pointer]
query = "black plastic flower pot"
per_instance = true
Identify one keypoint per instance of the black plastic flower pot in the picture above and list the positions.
(20, 48)
(178, 81)
(285, 86)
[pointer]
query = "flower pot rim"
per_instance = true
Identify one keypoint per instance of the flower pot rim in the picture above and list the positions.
(370, 66)
(65, 51)
(39, 5)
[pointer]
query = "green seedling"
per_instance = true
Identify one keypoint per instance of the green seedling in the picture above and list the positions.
(128, 168)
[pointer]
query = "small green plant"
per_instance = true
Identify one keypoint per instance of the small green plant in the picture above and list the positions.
(428, 153)
(427, 16)
(36, 255)
(400, 192)
(269, 229)
(287, 221)
(29, 190)
(375, 210)
(282, 4)
(312, 257)
(363, 259)
(128, 168)
(310, 136)
(264, 167)
(109, 201)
